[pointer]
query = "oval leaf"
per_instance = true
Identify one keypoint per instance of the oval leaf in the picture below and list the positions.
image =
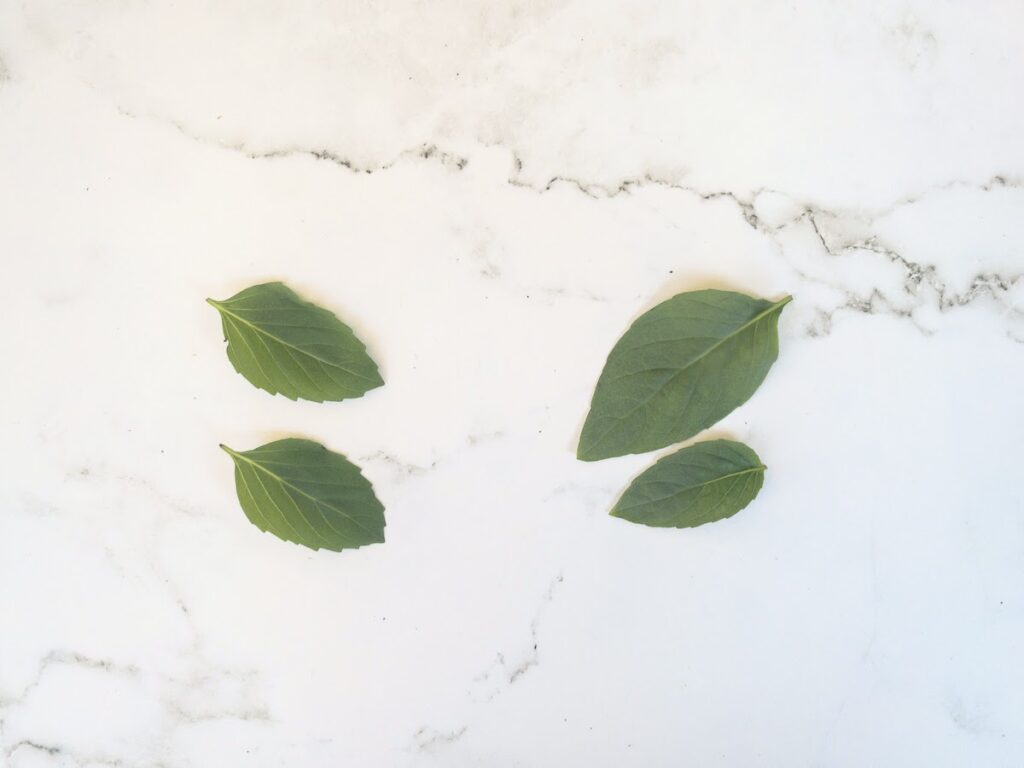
(284, 344)
(699, 484)
(680, 367)
(301, 492)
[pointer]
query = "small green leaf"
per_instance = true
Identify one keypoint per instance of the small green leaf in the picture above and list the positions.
(679, 368)
(301, 492)
(700, 484)
(284, 344)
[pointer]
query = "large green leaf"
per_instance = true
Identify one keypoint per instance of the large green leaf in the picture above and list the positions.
(284, 344)
(679, 368)
(699, 484)
(301, 492)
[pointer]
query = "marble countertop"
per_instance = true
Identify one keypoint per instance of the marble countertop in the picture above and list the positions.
(489, 194)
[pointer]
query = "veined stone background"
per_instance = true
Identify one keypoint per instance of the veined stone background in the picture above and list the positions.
(489, 193)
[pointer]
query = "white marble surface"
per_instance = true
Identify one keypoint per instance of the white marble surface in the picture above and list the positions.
(489, 194)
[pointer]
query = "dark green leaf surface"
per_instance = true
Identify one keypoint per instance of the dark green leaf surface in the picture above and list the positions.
(284, 344)
(680, 368)
(700, 484)
(301, 492)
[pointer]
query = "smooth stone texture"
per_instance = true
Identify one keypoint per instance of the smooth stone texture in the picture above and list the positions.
(542, 173)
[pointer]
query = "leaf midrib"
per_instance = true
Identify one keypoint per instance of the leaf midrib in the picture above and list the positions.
(679, 371)
(236, 455)
(748, 471)
(752, 321)
(221, 308)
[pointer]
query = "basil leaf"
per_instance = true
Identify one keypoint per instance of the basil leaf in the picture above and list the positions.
(301, 492)
(700, 484)
(679, 368)
(284, 344)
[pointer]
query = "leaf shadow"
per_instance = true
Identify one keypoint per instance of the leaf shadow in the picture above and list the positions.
(258, 438)
(701, 437)
(691, 281)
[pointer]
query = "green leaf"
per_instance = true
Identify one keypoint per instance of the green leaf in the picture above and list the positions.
(301, 492)
(284, 344)
(700, 484)
(679, 368)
